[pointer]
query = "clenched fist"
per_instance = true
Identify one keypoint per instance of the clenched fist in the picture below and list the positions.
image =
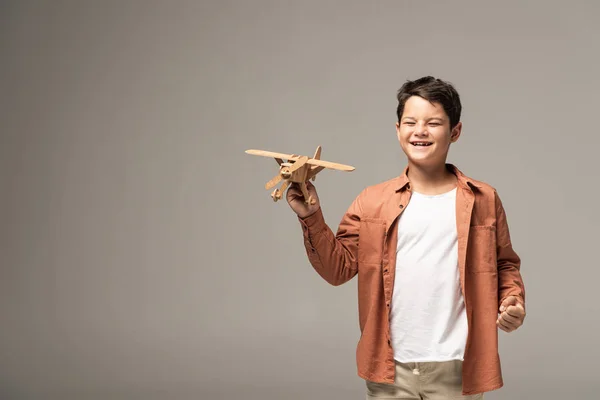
(296, 200)
(512, 314)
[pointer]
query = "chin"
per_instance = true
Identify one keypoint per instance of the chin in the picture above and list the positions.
(421, 157)
(423, 160)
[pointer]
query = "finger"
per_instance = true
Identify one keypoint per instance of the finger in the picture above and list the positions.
(510, 327)
(503, 325)
(515, 311)
(294, 196)
(509, 319)
(294, 189)
(311, 188)
(511, 323)
(509, 301)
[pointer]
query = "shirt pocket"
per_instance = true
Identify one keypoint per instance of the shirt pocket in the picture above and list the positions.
(371, 241)
(481, 249)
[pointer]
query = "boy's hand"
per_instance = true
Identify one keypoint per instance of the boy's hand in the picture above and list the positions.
(512, 314)
(296, 201)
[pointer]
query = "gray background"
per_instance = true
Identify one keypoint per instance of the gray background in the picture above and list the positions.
(141, 257)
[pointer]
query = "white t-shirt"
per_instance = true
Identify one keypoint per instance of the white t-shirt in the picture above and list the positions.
(428, 319)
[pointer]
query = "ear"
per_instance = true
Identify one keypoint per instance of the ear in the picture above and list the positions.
(455, 134)
(398, 130)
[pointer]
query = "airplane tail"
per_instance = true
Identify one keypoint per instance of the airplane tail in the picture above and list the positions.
(315, 169)
(317, 155)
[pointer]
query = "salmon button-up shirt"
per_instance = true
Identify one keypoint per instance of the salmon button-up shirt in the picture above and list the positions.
(365, 245)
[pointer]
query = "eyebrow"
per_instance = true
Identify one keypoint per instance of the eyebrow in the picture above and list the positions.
(430, 119)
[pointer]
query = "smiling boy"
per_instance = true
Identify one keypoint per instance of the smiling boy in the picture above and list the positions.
(437, 273)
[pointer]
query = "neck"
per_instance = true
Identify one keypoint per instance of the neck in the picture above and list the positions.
(431, 180)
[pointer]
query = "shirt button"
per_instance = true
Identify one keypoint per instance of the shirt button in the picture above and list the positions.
(401, 206)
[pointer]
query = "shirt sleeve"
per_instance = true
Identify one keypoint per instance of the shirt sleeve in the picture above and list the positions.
(510, 281)
(333, 256)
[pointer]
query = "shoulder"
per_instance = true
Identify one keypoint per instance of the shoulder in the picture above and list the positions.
(387, 186)
(372, 198)
(484, 187)
(485, 192)
(380, 189)
(481, 187)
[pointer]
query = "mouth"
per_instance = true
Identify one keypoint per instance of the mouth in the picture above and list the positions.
(421, 143)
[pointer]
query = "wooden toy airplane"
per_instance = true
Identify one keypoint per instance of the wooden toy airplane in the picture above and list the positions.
(298, 169)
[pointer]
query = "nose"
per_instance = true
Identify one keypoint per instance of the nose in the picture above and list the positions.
(420, 129)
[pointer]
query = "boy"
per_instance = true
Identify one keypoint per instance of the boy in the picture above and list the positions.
(437, 274)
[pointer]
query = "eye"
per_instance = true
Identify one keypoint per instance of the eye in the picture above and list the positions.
(435, 124)
(409, 123)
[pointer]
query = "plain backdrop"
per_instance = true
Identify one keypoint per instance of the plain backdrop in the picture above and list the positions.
(141, 256)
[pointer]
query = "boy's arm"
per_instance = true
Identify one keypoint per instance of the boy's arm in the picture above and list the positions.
(510, 281)
(334, 257)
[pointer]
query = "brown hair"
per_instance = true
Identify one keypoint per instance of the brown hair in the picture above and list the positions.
(433, 90)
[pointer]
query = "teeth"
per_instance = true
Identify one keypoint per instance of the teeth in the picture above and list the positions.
(421, 144)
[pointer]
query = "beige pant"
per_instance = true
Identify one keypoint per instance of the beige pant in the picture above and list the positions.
(423, 381)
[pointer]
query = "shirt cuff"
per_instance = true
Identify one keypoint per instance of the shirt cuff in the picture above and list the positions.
(314, 222)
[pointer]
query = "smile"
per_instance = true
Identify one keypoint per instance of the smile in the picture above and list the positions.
(421, 143)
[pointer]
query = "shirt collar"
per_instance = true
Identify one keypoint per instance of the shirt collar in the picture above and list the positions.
(464, 181)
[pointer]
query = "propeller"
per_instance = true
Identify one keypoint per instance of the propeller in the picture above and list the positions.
(276, 179)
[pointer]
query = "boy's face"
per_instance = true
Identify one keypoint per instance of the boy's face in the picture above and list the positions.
(424, 132)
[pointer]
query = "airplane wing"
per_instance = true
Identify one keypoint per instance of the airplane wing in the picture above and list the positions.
(327, 164)
(265, 153)
(293, 157)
